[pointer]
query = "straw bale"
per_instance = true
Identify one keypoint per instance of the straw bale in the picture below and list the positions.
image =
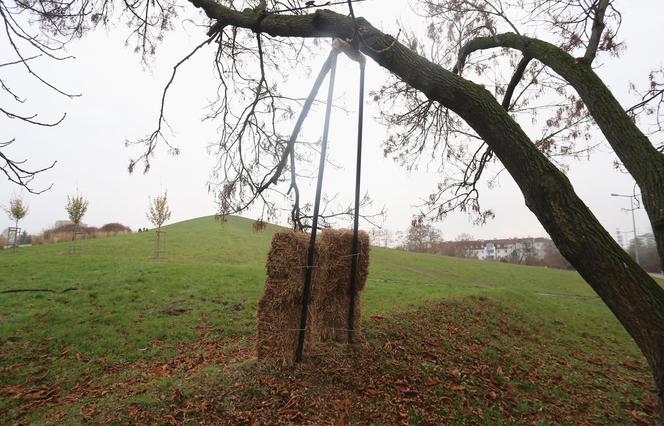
(331, 292)
(286, 267)
(280, 307)
(278, 332)
(335, 249)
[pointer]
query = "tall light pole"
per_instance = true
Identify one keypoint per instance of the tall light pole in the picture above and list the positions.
(632, 208)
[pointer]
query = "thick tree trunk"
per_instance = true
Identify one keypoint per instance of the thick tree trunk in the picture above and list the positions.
(658, 372)
(632, 147)
(631, 294)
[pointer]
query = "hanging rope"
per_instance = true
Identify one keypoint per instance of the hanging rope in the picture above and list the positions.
(314, 224)
(331, 65)
(355, 249)
(351, 49)
(290, 151)
(290, 148)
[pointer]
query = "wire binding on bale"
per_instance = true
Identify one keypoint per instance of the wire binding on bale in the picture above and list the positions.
(332, 299)
(280, 307)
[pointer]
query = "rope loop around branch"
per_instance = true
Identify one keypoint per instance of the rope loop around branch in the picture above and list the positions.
(347, 48)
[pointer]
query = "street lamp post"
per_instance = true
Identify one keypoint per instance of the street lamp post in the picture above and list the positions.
(632, 208)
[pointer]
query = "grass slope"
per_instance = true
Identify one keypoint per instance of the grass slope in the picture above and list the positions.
(145, 340)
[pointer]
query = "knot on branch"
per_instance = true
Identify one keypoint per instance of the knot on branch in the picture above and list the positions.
(349, 49)
(215, 28)
(328, 21)
(260, 13)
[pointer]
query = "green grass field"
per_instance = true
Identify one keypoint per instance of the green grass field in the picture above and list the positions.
(84, 354)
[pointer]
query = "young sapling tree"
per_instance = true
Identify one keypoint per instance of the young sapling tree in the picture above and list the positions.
(158, 214)
(16, 211)
(76, 208)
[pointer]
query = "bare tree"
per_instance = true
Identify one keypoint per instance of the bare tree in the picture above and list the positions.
(464, 236)
(16, 211)
(421, 236)
(553, 258)
(549, 80)
(381, 237)
(259, 225)
(464, 245)
(158, 214)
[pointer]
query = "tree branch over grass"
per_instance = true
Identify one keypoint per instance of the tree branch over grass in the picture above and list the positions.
(26, 290)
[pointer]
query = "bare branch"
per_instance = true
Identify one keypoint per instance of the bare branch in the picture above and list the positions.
(516, 79)
(17, 173)
(151, 141)
(289, 151)
(599, 9)
(31, 119)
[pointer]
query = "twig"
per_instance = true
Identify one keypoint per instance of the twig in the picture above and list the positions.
(22, 290)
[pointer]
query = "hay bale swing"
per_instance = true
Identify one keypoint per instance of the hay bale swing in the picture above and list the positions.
(312, 291)
(280, 308)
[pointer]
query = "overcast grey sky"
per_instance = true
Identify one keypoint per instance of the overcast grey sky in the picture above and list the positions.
(121, 98)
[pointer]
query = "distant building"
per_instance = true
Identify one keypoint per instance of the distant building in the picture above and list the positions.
(59, 223)
(515, 249)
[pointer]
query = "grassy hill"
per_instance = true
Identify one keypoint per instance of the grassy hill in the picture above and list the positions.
(131, 314)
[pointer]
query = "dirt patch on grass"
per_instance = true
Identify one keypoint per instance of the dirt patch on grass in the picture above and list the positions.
(474, 361)
(173, 312)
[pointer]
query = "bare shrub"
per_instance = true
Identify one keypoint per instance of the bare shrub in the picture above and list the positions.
(259, 225)
(115, 228)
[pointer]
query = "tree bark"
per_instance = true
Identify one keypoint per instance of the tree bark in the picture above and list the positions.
(633, 148)
(631, 294)
(598, 28)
